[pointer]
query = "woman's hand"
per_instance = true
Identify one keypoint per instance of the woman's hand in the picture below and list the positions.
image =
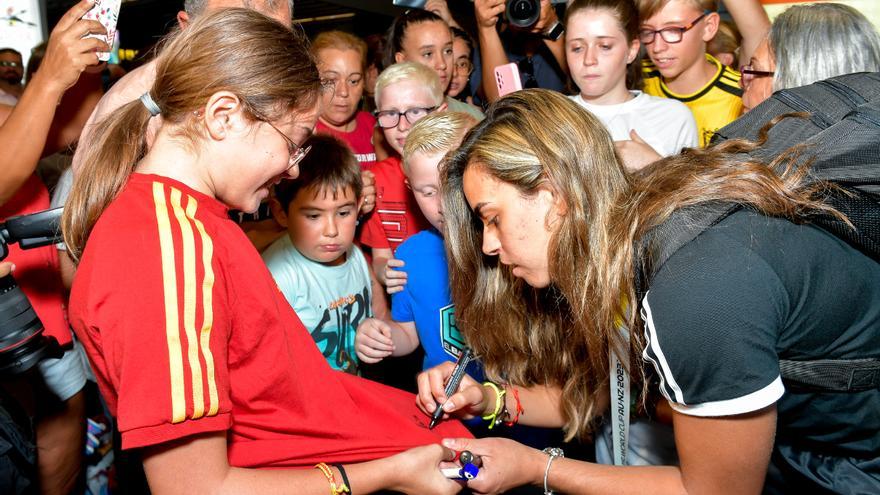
(373, 341)
(395, 280)
(472, 399)
(69, 52)
(506, 463)
(420, 473)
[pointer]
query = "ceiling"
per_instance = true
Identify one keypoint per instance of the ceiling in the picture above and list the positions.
(143, 22)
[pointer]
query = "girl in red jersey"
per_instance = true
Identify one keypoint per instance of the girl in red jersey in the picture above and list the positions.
(201, 360)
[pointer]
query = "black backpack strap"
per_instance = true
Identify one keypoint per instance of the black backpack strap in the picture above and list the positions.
(831, 375)
(680, 228)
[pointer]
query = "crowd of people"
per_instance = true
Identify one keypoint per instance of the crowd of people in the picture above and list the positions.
(254, 221)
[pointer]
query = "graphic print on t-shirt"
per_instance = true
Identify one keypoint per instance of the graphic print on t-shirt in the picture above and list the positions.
(334, 335)
(453, 340)
(393, 216)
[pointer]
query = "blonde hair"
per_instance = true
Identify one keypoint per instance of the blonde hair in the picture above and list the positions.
(561, 335)
(436, 134)
(340, 40)
(412, 72)
(647, 8)
(267, 65)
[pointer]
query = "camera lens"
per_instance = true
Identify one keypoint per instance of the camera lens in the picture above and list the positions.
(22, 344)
(523, 13)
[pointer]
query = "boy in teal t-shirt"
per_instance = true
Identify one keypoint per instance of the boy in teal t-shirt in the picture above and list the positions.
(317, 267)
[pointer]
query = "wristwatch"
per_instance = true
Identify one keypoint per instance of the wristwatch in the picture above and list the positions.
(554, 32)
(553, 453)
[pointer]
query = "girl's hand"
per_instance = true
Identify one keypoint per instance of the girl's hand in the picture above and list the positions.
(69, 52)
(506, 463)
(472, 399)
(395, 280)
(419, 470)
(373, 341)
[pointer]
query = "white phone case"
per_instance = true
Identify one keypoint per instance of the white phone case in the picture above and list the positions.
(107, 13)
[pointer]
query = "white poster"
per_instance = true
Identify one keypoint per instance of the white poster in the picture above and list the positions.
(21, 25)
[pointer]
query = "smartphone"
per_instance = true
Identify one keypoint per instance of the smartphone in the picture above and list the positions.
(411, 4)
(507, 79)
(107, 13)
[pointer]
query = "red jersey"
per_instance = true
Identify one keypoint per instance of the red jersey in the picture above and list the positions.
(188, 333)
(397, 215)
(37, 271)
(360, 140)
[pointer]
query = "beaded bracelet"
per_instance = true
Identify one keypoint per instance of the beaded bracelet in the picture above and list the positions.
(335, 489)
(500, 405)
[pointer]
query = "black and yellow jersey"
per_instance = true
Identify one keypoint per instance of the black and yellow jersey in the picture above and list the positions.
(714, 105)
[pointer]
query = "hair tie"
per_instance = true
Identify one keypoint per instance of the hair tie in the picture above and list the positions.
(150, 104)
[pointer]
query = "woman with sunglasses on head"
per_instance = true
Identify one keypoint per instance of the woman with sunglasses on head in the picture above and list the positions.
(202, 361)
(548, 236)
(602, 46)
(809, 43)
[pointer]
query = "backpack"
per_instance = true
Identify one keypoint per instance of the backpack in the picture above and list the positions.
(840, 123)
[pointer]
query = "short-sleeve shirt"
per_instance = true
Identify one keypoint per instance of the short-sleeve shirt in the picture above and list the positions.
(667, 125)
(750, 291)
(396, 215)
(188, 333)
(331, 301)
(360, 140)
(426, 301)
(716, 104)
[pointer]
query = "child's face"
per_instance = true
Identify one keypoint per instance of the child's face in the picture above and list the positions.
(598, 52)
(672, 59)
(255, 156)
(322, 226)
(430, 44)
(424, 180)
(461, 68)
(342, 69)
(400, 97)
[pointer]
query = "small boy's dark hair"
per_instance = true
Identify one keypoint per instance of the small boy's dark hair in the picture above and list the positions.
(329, 167)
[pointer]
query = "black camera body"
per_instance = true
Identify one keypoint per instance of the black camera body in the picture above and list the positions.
(22, 343)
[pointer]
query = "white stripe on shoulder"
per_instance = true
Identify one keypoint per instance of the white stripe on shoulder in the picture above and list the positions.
(740, 405)
(654, 344)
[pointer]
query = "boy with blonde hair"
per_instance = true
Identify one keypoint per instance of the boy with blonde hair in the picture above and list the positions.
(405, 93)
(422, 308)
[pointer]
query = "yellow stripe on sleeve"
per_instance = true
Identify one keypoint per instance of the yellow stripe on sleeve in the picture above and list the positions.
(189, 304)
(169, 280)
(207, 303)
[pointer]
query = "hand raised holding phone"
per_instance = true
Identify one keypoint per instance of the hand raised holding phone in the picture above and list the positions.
(69, 50)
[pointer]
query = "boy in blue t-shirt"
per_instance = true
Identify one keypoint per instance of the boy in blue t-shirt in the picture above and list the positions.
(421, 305)
(317, 267)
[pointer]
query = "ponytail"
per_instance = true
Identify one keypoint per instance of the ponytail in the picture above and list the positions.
(108, 163)
(267, 65)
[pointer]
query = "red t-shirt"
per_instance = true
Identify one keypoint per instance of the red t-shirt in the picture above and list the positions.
(360, 140)
(37, 271)
(188, 333)
(397, 215)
